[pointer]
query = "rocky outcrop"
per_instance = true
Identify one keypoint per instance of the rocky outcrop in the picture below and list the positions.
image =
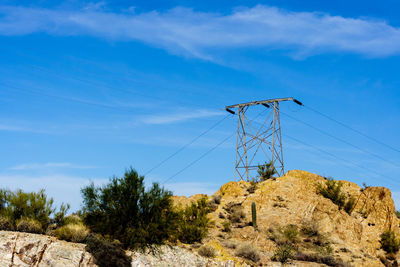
(24, 249)
(293, 199)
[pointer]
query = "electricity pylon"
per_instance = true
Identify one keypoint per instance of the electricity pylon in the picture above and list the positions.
(254, 138)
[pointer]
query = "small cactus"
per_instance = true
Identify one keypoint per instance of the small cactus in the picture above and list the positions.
(254, 215)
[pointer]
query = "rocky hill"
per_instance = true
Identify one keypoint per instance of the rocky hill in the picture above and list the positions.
(354, 239)
(286, 207)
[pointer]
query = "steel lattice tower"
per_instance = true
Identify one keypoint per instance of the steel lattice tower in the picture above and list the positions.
(254, 138)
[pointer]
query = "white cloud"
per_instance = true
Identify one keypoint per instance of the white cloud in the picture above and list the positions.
(201, 34)
(48, 165)
(179, 117)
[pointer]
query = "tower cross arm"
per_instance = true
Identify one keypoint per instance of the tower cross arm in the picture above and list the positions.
(261, 102)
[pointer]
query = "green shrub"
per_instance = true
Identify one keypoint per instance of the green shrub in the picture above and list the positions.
(59, 217)
(389, 242)
(226, 226)
(29, 225)
(284, 253)
(266, 171)
(207, 251)
(247, 251)
(106, 253)
(310, 228)
(397, 214)
(235, 212)
(349, 206)
(18, 204)
(333, 191)
(193, 223)
(72, 232)
(124, 210)
(284, 235)
(6, 224)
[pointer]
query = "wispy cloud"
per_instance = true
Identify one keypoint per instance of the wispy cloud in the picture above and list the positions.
(200, 34)
(179, 117)
(18, 128)
(48, 165)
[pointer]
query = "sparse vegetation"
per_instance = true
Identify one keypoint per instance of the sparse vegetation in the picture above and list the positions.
(284, 253)
(389, 242)
(106, 253)
(193, 223)
(235, 212)
(350, 204)
(398, 214)
(226, 226)
(333, 191)
(28, 225)
(72, 232)
(266, 171)
(249, 252)
(284, 235)
(25, 211)
(318, 258)
(206, 251)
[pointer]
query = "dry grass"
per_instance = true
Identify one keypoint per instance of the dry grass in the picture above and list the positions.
(72, 232)
(29, 225)
(249, 252)
(207, 251)
(6, 224)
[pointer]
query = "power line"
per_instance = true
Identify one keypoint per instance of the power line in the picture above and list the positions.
(186, 145)
(341, 159)
(340, 140)
(207, 152)
(199, 158)
(354, 130)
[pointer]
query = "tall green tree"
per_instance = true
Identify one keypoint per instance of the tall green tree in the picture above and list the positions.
(125, 210)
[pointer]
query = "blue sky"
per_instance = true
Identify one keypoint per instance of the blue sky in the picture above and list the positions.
(88, 89)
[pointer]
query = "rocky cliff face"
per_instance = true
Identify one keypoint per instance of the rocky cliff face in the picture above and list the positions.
(288, 200)
(25, 249)
(293, 199)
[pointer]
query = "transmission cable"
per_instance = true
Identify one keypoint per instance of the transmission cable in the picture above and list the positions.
(207, 152)
(354, 130)
(199, 158)
(186, 145)
(341, 140)
(341, 159)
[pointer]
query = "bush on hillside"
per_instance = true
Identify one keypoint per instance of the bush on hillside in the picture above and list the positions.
(389, 242)
(193, 222)
(72, 232)
(284, 253)
(249, 252)
(333, 191)
(32, 207)
(106, 253)
(6, 224)
(124, 210)
(207, 251)
(266, 171)
(29, 225)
